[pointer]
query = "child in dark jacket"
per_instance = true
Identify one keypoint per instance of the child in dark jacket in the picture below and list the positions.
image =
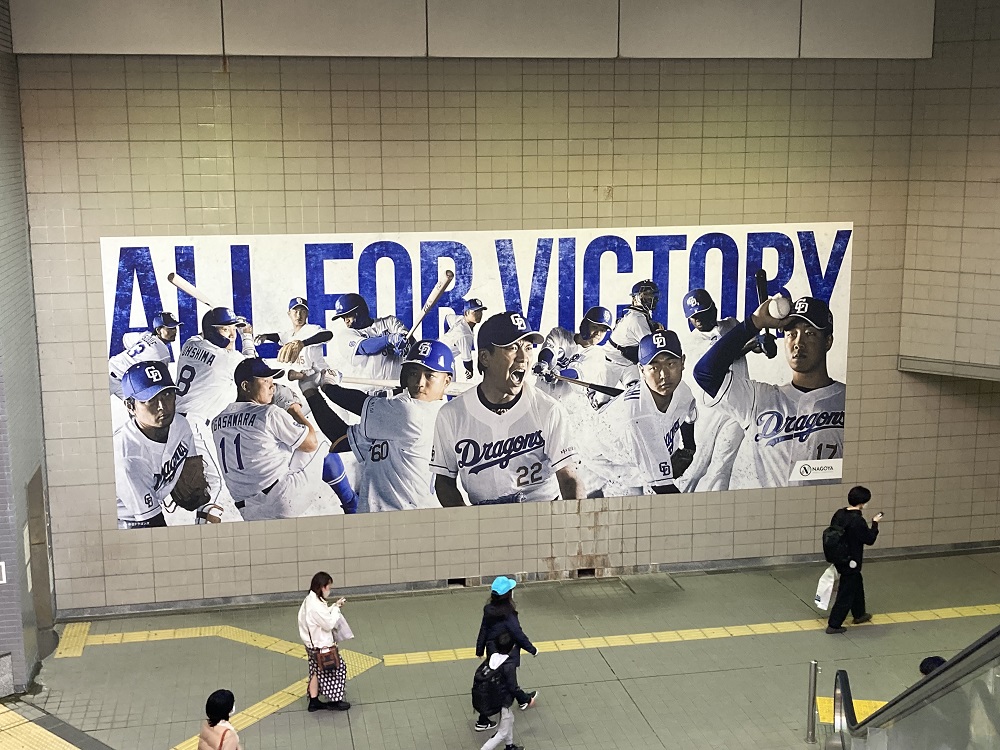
(500, 661)
(499, 617)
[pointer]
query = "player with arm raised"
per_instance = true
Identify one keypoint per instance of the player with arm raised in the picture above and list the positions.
(649, 429)
(147, 346)
(367, 348)
(575, 355)
(800, 421)
(271, 457)
(156, 462)
(394, 439)
(458, 333)
(508, 441)
(622, 349)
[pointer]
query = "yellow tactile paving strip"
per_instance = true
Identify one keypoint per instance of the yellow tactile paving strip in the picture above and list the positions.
(694, 634)
(862, 709)
(73, 639)
(17, 733)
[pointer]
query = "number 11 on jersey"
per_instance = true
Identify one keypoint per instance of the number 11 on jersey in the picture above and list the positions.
(239, 453)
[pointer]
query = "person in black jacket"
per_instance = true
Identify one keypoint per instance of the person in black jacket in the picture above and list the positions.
(500, 660)
(500, 616)
(851, 594)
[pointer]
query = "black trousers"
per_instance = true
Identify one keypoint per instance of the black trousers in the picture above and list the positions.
(850, 597)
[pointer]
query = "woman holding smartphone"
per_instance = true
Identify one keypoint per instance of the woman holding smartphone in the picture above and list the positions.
(317, 622)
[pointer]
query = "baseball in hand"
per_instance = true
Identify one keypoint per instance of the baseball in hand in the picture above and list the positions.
(779, 307)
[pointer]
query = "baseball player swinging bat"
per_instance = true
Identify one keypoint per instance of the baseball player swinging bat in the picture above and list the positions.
(767, 340)
(454, 389)
(433, 297)
(605, 389)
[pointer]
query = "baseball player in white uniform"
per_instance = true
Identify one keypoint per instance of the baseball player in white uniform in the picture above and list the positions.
(205, 386)
(507, 441)
(367, 348)
(152, 449)
(147, 346)
(800, 421)
(650, 427)
(271, 457)
(578, 356)
(622, 348)
(458, 334)
(394, 438)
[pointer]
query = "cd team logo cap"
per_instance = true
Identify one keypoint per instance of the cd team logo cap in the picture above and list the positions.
(143, 380)
(165, 320)
(471, 305)
(661, 342)
(502, 585)
(298, 302)
(600, 316)
(254, 367)
(697, 301)
(506, 328)
(814, 311)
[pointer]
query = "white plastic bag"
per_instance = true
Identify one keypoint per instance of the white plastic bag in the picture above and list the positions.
(827, 586)
(343, 631)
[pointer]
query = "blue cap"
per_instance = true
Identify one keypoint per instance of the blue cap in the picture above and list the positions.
(504, 329)
(697, 301)
(143, 380)
(661, 342)
(254, 367)
(502, 585)
(165, 320)
(599, 316)
(474, 304)
(298, 302)
(431, 354)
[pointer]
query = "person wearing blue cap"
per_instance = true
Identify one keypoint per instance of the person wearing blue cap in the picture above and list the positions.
(500, 616)
(796, 430)
(576, 355)
(649, 437)
(458, 333)
(366, 347)
(156, 462)
(145, 346)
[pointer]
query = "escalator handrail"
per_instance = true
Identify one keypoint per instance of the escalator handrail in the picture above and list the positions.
(845, 719)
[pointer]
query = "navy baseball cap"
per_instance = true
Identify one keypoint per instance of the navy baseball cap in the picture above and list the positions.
(697, 301)
(165, 320)
(298, 302)
(600, 316)
(814, 311)
(504, 329)
(661, 342)
(474, 304)
(143, 380)
(254, 367)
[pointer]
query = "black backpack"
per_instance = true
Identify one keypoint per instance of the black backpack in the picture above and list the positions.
(487, 690)
(835, 544)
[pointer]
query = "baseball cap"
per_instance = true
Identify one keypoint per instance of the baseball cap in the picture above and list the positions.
(504, 329)
(474, 304)
(502, 584)
(254, 367)
(814, 311)
(298, 302)
(599, 316)
(143, 380)
(165, 320)
(697, 301)
(659, 343)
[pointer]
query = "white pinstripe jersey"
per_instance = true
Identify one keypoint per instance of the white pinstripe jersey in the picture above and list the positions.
(147, 471)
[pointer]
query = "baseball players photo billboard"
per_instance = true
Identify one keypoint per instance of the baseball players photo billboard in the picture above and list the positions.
(280, 376)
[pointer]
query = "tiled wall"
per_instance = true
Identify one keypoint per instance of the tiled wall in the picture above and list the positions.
(20, 398)
(153, 146)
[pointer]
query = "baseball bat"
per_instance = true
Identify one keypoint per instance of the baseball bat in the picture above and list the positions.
(186, 286)
(432, 299)
(454, 389)
(605, 389)
(767, 342)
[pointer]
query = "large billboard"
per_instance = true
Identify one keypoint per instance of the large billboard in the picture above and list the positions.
(277, 376)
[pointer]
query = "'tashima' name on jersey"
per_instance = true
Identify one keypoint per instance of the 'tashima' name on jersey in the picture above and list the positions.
(393, 443)
(654, 435)
(255, 444)
(786, 425)
(501, 454)
(139, 347)
(147, 471)
(205, 384)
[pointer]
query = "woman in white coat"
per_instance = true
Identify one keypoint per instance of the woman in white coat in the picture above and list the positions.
(317, 622)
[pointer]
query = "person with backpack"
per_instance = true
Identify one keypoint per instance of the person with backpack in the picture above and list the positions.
(843, 545)
(494, 688)
(499, 617)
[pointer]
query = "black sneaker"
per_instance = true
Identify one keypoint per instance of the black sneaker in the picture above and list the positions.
(490, 724)
(834, 631)
(532, 697)
(866, 617)
(514, 747)
(337, 705)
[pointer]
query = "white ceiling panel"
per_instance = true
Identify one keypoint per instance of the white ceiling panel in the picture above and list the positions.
(868, 28)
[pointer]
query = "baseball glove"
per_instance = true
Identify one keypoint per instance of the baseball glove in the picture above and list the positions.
(680, 460)
(191, 490)
(290, 352)
(284, 397)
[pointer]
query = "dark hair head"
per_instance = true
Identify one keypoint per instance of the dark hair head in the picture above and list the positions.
(218, 706)
(504, 643)
(930, 664)
(503, 602)
(858, 496)
(319, 582)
